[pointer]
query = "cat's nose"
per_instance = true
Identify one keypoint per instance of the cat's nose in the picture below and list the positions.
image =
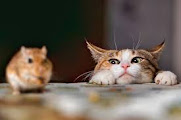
(125, 65)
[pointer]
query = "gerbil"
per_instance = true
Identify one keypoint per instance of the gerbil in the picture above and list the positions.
(29, 69)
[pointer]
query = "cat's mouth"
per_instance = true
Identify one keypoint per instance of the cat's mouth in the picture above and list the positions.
(126, 74)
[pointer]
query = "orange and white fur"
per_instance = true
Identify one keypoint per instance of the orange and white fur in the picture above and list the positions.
(29, 69)
(129, 66)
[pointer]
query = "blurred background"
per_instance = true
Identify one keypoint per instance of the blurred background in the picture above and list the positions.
(63, 26)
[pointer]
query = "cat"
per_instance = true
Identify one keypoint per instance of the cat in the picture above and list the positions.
(129, 66)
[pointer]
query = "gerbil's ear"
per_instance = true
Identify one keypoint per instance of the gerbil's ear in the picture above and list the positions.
(23, 50)
(44, 50)
(95, 51)
(157, 50)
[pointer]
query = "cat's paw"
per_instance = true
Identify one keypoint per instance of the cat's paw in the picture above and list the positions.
(166, 78)
(104, 77)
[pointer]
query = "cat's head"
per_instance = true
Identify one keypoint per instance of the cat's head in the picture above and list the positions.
(128, 65)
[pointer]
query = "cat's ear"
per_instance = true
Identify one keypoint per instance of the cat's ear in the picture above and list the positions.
(95, 51)
(157, 50)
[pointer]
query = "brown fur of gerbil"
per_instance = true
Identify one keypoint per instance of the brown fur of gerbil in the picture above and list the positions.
(39, 70)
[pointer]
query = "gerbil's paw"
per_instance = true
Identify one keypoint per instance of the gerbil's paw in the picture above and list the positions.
(38, 82)
(166, 78)
(16, 92)
(104, 77)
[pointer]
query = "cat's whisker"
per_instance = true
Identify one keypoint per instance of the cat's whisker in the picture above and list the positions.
(115, 41)
(82, 75)
(133, 42)
(139, 41)
(87, 76)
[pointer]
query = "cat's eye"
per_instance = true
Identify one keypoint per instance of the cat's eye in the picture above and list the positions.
(114, 61)
(136, 60)
(30, 60)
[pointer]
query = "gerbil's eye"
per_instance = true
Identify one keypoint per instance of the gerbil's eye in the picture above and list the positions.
(136, 60)
(114, 61)
(30, 60)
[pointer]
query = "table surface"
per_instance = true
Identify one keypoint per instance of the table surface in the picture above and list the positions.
(76, 101)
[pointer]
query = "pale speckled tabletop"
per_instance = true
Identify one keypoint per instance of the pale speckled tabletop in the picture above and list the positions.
(76, 101)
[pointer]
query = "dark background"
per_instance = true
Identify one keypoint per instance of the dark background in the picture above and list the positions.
(60, 25)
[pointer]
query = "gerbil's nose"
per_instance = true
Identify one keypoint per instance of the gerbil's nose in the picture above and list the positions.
(125, 65)
(41, 70)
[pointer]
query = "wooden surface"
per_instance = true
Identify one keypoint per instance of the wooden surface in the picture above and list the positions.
(78, 101)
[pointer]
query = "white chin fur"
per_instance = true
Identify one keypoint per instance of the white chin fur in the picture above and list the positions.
(104, 77)
(126, 79)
